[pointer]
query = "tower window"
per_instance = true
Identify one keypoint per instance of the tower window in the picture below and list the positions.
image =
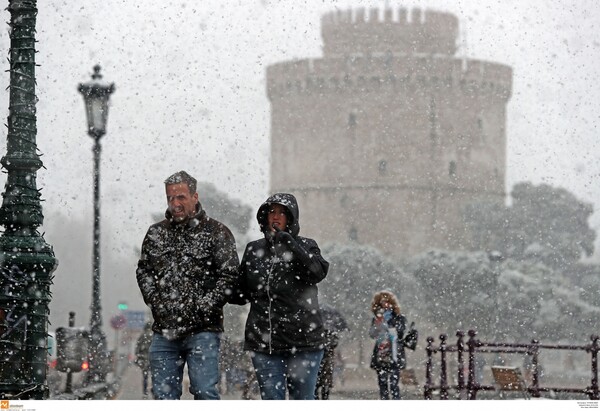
(351, 120)
(353, 234)
(382, 167)
(481, 131)
(344, 201)
(452, 169)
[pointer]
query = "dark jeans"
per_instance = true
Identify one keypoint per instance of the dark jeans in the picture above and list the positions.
(296, 373)
(388, 381)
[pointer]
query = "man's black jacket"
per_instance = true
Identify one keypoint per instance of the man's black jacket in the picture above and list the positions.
(186, 272)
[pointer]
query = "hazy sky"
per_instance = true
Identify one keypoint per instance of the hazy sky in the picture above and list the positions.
(190, 94)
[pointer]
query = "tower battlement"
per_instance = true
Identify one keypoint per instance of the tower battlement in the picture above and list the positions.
(381, 74)
(373, 31)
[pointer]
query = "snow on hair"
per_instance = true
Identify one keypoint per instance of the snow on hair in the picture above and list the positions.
(182, 177)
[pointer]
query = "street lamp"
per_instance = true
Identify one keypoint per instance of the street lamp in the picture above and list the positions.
(96, 94)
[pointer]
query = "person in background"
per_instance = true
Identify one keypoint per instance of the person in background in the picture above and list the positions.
(334, 324)
(186, 272)
(278, 277)
(227, 364)
(339, 366)
(388, 358)
(142, 360)
(530, 368)
(249, 383)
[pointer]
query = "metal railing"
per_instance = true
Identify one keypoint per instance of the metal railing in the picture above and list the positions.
(470, 349)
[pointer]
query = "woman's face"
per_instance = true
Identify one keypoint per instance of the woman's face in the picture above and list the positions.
(385, 304)
(277, 217)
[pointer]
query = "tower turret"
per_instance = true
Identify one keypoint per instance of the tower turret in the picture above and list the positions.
(388, 137)
(398, 31)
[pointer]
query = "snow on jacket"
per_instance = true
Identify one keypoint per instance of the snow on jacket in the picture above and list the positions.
(282, 291)
(186, 273)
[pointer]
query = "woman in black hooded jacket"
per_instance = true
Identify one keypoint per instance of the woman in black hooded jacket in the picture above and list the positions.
(278, 277)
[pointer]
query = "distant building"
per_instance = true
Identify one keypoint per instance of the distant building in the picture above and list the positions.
(386, 138)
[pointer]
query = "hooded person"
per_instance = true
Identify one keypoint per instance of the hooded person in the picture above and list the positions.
(278, 277)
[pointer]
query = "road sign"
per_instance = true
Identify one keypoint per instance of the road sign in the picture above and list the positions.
(118, 322)
(135, 319)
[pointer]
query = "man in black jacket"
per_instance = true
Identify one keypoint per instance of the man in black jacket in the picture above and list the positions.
(186, 272)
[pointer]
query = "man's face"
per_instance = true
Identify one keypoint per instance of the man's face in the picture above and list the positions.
(182, 204)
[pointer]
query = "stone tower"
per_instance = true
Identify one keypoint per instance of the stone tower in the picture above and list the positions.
(389, 136)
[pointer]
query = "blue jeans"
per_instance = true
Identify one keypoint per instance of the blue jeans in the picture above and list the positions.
(295, 372)
(168, 357)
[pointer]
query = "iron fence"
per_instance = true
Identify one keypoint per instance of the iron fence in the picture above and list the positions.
(469, 350)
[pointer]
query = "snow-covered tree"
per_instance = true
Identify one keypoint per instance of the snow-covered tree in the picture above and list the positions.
(586, 277)
(356, 273)
(536, 301)
(230, 211)
(544, 223)
(504, 300)
(460, 290)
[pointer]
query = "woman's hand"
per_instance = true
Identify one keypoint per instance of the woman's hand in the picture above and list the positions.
(285, 238)
(282, 237)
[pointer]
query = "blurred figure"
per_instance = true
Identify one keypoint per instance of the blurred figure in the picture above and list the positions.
(339, 366)
(388, 358)
(227, 362)
(236, 366)
(248, 376)
(142, 360)
(529, 369)
(334, 323)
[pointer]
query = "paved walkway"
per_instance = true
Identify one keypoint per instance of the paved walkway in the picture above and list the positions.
(357, 385)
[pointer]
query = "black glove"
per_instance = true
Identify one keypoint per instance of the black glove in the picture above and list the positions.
(282, 237)
(285, 238)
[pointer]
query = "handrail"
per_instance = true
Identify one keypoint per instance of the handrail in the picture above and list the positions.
(474, 346)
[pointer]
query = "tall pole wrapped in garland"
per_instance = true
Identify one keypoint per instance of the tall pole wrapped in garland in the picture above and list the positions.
(26, 260)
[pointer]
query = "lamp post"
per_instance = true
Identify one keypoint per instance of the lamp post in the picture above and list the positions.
(96, 94)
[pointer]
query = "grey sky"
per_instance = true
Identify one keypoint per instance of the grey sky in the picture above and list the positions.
(190, 94)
